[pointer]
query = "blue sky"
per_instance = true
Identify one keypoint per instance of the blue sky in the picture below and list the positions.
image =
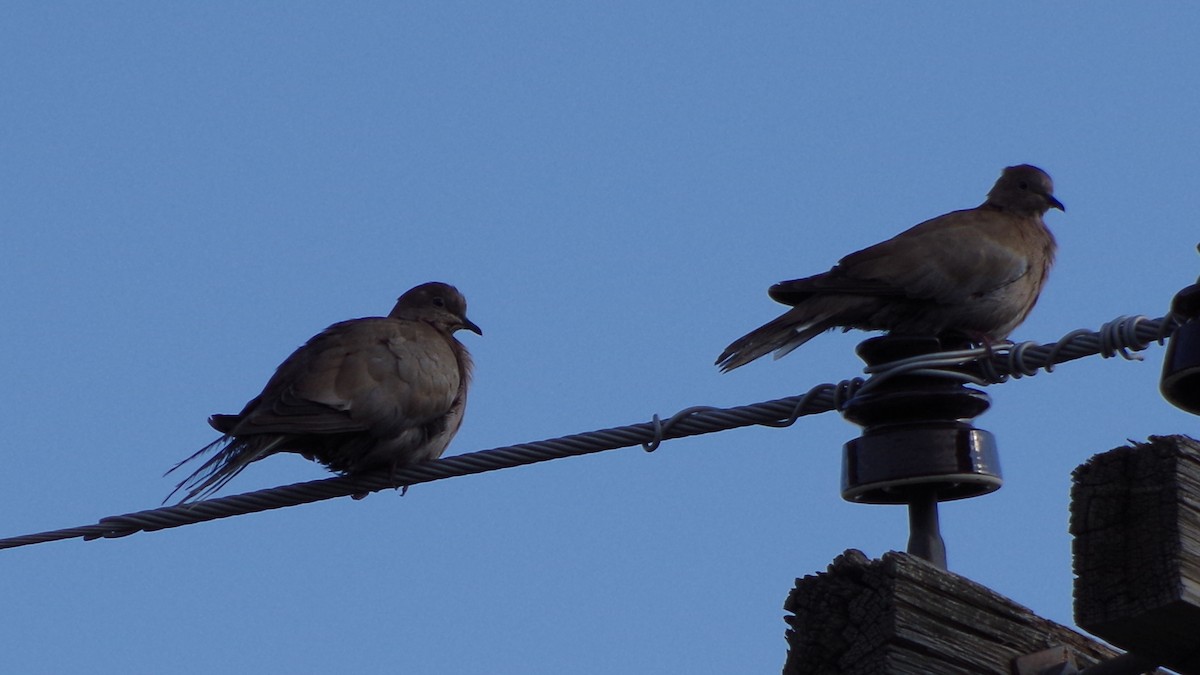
(190, 191)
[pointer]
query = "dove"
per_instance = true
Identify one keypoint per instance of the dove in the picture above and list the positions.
(362, 395)
(971, 274)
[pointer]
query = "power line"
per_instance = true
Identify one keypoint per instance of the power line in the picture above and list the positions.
(982, 365)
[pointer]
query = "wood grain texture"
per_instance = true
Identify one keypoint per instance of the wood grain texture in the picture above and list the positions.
(900, 615)
(1135, 516)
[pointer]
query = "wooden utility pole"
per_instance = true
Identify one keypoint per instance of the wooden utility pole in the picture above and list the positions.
(901, 614)
(1135, 516)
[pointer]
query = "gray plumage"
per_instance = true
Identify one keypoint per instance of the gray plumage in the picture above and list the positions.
(974, 273)
(363, 395)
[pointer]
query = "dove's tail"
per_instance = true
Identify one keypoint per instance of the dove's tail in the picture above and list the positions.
(780, 336)
(228, 462)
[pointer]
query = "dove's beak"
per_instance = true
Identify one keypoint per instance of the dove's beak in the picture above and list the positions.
(470, 325)
(1054, 203)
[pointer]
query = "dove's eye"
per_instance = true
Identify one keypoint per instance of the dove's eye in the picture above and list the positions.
(438, 301)
(1023, 185)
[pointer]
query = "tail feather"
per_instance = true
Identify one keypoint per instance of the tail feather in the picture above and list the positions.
(224, 423)
(219, 469)
(780, 335)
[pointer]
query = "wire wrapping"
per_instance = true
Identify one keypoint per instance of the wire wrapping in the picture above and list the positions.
(995, 364)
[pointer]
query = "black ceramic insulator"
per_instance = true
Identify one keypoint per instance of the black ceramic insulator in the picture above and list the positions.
(1180, 383)
(1187, 302)
(917, 437)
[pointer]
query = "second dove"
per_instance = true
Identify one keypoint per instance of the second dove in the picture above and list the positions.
(971, 274)
(363, 395)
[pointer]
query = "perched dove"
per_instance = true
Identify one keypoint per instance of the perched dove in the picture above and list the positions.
(364, 394)
(974, 273)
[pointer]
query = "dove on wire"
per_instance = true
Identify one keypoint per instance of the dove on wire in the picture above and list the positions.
(973, 274)
(363, 395)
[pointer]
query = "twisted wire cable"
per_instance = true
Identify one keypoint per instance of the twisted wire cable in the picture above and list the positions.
(984, 365)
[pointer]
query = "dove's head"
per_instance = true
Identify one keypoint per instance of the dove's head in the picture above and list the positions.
(435, 303)
(1024, 189)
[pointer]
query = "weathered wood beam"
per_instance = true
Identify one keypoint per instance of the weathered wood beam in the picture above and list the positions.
(1135, 515)
(902, 615)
